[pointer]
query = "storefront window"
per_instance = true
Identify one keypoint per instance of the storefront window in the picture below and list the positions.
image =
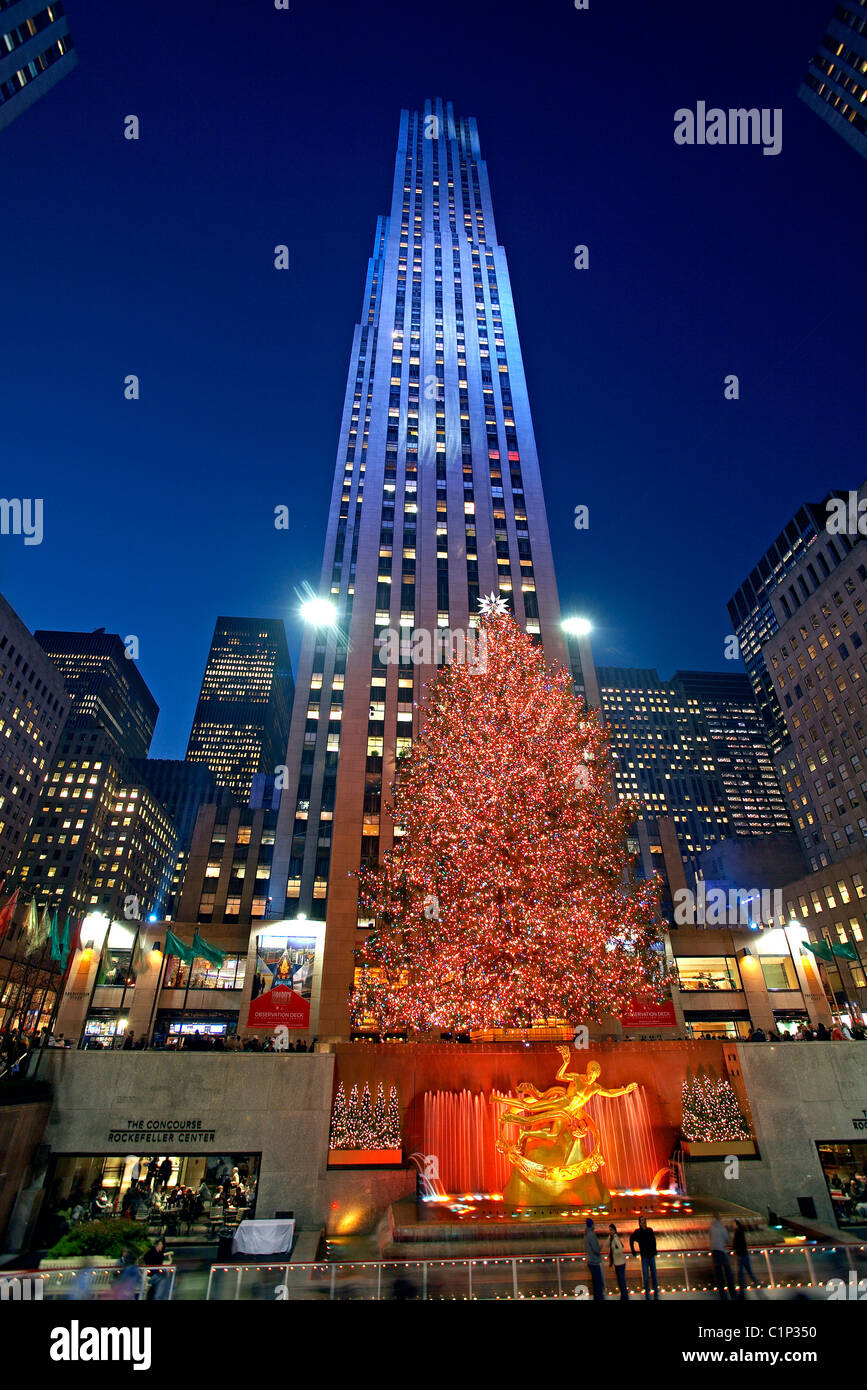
(104, 1029)
(115, 970)
(718, 1028)
(708, 972)
(779, 972)
(203, 975)
(845, 1170)
(84, 1187)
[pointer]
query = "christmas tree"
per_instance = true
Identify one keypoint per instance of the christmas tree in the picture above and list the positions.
(379, 1117)
(391, 1135)
(353, 1121)
(366, 1136)
(508, 823)
(339, 1133)
(711, 1114)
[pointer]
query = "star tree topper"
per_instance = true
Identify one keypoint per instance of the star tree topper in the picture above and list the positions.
(493, 604)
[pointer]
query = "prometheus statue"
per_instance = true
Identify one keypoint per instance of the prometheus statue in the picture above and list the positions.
(555, 1155)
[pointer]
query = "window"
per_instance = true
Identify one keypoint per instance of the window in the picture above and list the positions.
(778, 972)
(708, 973)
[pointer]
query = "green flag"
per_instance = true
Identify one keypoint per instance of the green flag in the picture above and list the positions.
(845, 950)
(54, 939)
(819, 949)
(206, 951)
(176, 947)
(64, 944)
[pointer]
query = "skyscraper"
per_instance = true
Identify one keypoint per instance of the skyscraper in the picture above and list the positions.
(817, 660)
(36, 50)
(692, 749)
(436, 501)
(107, 689)
(835, 86)
(33, 708)
(752, 612)
(242, 718)
(98, 834)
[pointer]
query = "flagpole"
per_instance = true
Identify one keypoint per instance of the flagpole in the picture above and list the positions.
(61, 988)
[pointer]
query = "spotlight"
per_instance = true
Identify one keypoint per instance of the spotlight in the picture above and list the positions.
(321, 612)
(577, 627)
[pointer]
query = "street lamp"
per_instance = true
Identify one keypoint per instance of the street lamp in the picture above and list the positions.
(577, 627)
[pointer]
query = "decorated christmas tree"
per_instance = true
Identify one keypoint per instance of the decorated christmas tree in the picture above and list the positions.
(366, 1135)
(353, 1121)
(711, 1114)
(379, 1117)
(391, 1138)
(510, 827)
(339, 1132)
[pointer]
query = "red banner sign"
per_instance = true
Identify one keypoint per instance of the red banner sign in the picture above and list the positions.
(279, 1006)
(646, 1013)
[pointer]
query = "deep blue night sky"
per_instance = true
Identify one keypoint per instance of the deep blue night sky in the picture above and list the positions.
(260, 127)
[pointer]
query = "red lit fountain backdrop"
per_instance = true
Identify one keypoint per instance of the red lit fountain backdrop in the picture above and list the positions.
(460, 1129)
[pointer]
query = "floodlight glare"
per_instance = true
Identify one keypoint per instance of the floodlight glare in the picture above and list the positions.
(321, 612)
(577, 627)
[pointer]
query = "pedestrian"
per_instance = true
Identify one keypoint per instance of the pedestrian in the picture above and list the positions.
(617, 1258)
(135, 1173)
(153, 1169)
(593, 1256)
(741, 1249)
(127, 1284)
(129, 1041)
(165, 1171)
(719, 1253)
(645, 1238)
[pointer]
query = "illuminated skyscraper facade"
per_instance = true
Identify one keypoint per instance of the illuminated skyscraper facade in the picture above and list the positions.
(242, 719)
(436, 501)
(36, 50)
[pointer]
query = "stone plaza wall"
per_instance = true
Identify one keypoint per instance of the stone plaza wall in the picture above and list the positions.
(277, 1104)
(799, 1094)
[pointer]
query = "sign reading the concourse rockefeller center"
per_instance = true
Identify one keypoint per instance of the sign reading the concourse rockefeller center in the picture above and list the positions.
(166, 1132)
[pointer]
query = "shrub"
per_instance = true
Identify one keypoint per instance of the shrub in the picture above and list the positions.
(108, 1236)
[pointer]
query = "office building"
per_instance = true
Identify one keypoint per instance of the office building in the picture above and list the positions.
(692, 750)
(835, 86)
(817, 661)
(106, 687)
(98, 835)
(752, 613)
(33, 709)
(241, 724)
(436, 501)
(36, 50)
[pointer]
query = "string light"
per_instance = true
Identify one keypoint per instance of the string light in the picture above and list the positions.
(711, 1114)
(507, 898)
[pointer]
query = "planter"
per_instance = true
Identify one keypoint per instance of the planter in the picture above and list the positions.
(80, 1262)
(364, 1158)
(740, 1148)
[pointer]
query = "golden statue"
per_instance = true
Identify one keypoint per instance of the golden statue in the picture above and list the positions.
(550, 1164)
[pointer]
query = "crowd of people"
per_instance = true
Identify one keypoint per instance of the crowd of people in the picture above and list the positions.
(642, 1242)
(839, 1031)
(150, 1195)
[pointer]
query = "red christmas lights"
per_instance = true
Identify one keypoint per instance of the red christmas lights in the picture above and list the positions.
(507, 900)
